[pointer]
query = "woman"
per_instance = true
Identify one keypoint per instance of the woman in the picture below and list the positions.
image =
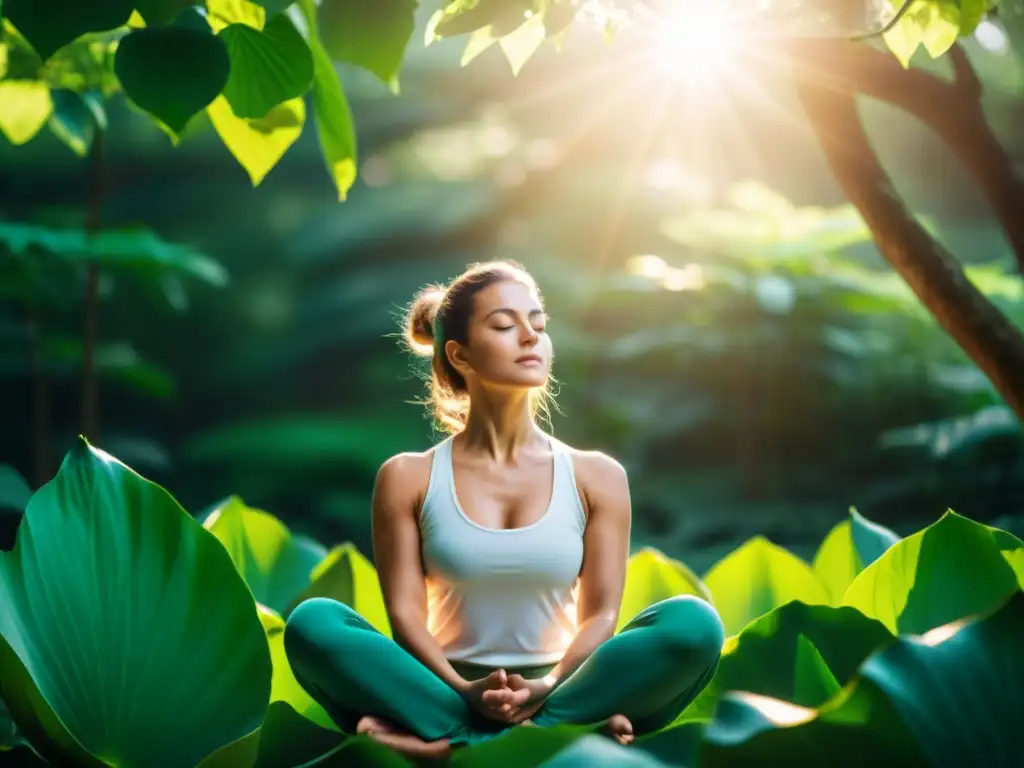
(502, 557)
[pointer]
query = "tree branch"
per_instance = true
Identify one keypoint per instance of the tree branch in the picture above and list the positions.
(952, 109)
(984, 333)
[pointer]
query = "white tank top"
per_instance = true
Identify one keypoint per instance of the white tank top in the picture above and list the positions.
(502, 598)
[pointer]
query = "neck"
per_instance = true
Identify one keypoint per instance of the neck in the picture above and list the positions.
(500, 424)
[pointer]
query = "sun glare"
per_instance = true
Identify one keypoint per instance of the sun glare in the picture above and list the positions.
(697, 43)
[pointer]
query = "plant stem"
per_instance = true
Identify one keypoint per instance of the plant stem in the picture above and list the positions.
(90, 320)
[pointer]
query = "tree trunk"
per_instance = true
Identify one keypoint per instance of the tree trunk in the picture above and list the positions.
(935, 276)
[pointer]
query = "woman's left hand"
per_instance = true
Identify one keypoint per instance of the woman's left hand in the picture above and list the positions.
(530, 696)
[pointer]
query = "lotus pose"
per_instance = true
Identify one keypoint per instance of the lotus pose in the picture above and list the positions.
(502, 556)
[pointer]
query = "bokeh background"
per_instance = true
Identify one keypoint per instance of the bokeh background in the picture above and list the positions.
(723, 324)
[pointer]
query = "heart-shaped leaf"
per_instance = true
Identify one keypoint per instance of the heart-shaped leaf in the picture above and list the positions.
(157, 12)
(953, 568)
(276, 564)
(757, 578)
(848, 549)
(25, 106)
(650, 578)
(333, 117)
(347, 576)
(127, 635)
(221, 13)
(258, 145)
(268, 67)
(51, 25)
(371, 34)
(172, 72)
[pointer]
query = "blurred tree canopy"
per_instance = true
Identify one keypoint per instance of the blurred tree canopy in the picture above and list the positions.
(754, 337)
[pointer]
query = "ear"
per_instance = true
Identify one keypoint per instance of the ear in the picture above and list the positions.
(458, 357)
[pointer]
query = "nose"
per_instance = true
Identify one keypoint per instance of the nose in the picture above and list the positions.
(530, 336)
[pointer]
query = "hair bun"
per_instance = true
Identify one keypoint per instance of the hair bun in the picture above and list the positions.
(419, 327)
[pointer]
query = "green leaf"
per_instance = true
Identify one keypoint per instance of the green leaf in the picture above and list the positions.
(757, 578)
(371, 34)
(958, 688)
(157, 12)
(275, 563)
(347, 576)
(274, 7)
(284, 687)
(268, 67)
(221, 13)
(652, 577)
(288, 739)
(25, 106)
(953, 568)
(258, 145)
(333, 117)
(943, 27)
(127, 635)
(519, 748)
(905, 38)
(51, 25)
(848, 548)
(14, 489)
(772, 655)
(460, 17)
(593, 750)
(521, 44)
(75, 119)
(172, 72)
(859, 723)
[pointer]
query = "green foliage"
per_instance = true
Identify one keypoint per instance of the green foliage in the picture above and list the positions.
(51, 26)
(150, 612)
(795, 681)
(953, 568)
(275, 563)
(172, 72)
(268, 66)
(848, 549)
(757, 578)
(372, 34)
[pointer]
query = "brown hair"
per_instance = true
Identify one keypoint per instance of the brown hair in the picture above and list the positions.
(440, 314)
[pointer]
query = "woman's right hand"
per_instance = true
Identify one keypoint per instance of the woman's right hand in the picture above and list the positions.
(492, 697)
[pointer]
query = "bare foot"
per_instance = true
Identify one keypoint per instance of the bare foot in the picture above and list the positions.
(619, 728)
(400, 740)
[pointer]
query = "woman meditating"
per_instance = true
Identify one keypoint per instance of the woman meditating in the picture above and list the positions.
(502, 558)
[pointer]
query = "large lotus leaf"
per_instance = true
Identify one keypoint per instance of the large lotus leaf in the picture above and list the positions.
(857, 727)
(288, 739)
(958, 688)
(800, 653)
(757, 578)
(519, 748)
(652, 577)
(130, 639)
(51, 25)
(348, 577)
(595, 751)
(275, 563)
(848, 549)
(284, 687)
(953, 568)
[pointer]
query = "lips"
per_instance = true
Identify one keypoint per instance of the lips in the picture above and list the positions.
(530, 359)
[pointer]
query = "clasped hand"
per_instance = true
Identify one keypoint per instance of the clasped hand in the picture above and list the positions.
(507, 698)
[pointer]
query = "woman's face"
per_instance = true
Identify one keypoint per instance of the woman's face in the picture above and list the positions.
(508, 344)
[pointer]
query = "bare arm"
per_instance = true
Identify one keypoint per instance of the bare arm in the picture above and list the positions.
(396, 550)
(605, 551)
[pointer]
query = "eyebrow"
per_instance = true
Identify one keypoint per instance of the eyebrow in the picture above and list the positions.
(509, 311)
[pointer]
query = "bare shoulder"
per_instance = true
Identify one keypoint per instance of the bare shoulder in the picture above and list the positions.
(601, 479)
(403, 478)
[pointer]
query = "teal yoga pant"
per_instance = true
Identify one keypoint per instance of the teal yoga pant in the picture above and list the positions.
(648, 672)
